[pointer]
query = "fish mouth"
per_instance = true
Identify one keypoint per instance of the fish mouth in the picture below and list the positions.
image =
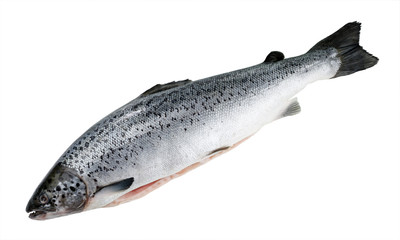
(38, 215)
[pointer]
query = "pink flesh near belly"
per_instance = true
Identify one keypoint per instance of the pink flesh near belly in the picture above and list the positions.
(146, 189)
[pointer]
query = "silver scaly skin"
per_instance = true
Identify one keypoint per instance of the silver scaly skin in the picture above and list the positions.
(174, 126)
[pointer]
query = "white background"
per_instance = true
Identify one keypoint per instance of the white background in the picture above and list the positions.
(331, 172)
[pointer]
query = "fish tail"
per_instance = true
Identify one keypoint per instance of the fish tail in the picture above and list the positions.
(346, 41)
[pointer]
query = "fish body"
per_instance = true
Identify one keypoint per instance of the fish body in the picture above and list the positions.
(174, 127)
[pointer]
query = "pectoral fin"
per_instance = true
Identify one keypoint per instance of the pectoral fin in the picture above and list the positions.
(117, 186)
(103, 194)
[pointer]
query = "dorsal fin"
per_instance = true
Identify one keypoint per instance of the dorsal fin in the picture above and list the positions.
(274, 56)
(162, 87)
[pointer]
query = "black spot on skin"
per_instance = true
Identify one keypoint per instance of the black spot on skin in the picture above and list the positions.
(86, 144)
(77, 185)
(58, 188)
(72, 189)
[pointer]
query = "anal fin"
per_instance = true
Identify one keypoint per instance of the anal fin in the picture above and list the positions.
(292, 109)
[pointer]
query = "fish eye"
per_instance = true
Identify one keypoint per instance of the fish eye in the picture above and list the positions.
(43, 198)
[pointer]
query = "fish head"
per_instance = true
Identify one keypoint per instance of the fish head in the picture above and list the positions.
(62, 192)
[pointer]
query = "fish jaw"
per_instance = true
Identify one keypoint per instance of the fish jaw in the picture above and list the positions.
(45, 215)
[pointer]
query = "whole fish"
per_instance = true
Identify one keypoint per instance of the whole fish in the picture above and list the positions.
(173, 128)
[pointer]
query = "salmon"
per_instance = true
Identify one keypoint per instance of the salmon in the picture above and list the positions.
(175, 127)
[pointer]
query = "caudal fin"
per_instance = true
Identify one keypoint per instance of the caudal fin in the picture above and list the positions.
(353, 57)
